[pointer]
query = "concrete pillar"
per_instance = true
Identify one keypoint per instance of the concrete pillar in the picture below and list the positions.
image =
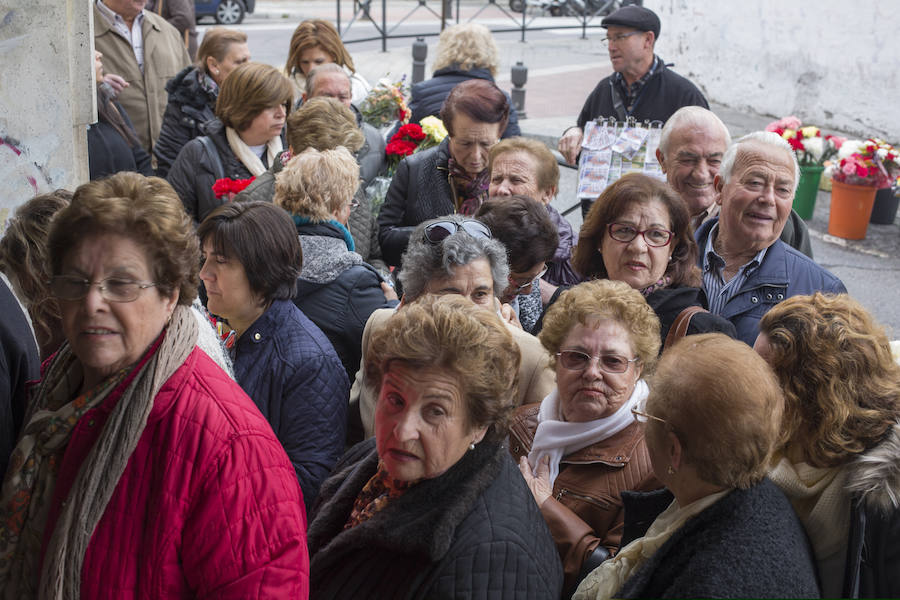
(46, 97)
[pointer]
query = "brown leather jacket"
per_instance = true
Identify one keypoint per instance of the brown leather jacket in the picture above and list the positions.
(586, 510)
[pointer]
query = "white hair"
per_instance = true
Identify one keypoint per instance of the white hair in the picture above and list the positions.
(691, 117)
(767, 138)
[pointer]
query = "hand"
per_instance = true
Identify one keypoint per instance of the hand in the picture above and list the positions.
(570, 144)
(509, 315)
(389, 293)
(539, 480)
(116, 82)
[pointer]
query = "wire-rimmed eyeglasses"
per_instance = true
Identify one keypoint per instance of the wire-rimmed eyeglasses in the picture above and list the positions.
(112, 289)
(642, 417)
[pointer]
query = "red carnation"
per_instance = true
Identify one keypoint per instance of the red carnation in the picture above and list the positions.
(229, 187)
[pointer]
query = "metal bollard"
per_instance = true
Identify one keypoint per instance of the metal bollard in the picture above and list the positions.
(518, 77)
(419, 54)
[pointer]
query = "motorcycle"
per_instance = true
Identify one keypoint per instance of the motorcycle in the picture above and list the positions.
(578, 8)
(554, 7)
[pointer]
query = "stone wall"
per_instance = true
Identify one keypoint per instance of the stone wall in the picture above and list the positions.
(832, 63)
(46, 97)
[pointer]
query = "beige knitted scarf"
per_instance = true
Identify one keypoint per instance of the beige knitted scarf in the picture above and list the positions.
(99, 474)
(246, 155)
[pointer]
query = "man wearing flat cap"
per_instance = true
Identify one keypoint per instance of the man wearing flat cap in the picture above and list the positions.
(642, 86)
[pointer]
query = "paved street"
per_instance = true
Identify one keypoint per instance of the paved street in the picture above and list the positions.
(562, 71)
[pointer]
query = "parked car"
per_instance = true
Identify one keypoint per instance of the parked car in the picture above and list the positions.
(225, 12)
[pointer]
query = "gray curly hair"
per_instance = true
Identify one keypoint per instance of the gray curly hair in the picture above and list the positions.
(424, 261)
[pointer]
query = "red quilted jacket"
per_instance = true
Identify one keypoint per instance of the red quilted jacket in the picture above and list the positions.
(208, 506)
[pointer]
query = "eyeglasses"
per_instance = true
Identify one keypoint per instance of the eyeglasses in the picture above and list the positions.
(655, 237)
(113, 289)
(353, 204)
(619, 38)
(521, 286)
(574, 360)
(642, 417)
(438, 232)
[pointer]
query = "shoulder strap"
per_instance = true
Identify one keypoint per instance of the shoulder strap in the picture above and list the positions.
(680, 326)
(218, 169)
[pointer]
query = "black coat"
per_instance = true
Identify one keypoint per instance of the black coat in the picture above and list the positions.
(749, 544)
(473, 532)
(668, 303)
(428, 96)
(19, 363)
(109, 152)
(193, 173)
(665, 92)
(337, 291)
(420, 190)
(189, 106)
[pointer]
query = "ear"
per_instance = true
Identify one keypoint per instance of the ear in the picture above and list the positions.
(478, 435)
(548, 196)
(172, 302)
(719, 184)
(304, 97)
(638, 369)
(674, 449)
(661, 160)
(650, 40)
(211, 63)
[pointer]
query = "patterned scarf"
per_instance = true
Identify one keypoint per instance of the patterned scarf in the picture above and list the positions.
(662, 283)
(471, 190)
(28, 489)
(375, 495)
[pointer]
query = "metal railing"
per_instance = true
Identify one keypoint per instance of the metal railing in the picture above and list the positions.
(586, 17)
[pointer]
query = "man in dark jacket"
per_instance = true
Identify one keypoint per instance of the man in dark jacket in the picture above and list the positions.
(642, 85)
(746, 268)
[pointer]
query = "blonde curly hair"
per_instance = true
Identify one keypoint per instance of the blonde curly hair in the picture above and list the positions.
(469, 46)
(317, 185)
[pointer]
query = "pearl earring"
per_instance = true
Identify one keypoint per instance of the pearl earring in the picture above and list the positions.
(472, 446)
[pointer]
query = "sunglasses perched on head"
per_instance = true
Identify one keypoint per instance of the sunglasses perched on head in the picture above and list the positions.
(441, 230)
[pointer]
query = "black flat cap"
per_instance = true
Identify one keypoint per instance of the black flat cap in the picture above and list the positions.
(636, 17)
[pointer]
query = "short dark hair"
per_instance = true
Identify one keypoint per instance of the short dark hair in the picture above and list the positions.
(263, 238)
(523, 226)
(636, 188)
(479, 99)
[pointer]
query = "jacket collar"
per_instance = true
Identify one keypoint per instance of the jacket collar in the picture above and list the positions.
(270, 321)
(421, 522)
(772, 271)
(476, 72)
(875, 475)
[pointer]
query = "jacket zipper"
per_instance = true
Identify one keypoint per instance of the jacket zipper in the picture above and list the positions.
(594, 501)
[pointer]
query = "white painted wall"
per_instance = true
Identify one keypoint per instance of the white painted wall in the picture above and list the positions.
(833, 63)
(46, 97)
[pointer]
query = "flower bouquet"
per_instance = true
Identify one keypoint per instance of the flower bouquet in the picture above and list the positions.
(811, 148)
(385, 104)
(435, 132)
(228, 188)
(872, 163)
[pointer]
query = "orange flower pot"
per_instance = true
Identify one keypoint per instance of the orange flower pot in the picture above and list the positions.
(851, 207)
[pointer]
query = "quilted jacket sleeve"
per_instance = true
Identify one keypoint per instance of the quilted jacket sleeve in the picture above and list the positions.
(392, 234)
(246, 532)
(176, 131)
(313, 421)
(192, 177)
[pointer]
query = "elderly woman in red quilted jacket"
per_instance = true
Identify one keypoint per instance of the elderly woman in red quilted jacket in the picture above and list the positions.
(143, 470)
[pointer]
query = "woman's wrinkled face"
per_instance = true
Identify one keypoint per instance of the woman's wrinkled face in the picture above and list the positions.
(474, 281)
(237, 54)
(421, 422)
(593, 393)
(265, 126)
(109, 336)
(227, 287)
(516, 173)
(637, 263)
(472, 141)
(312, 58)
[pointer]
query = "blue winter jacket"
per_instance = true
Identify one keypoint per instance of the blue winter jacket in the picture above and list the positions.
(428, 96)
(784, 272)
(290, 370)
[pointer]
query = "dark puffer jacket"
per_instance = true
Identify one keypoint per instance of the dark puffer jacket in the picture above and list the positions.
(189, 106)
(428, 96)
(194, 173)
(337, 290)
(292, 373)
(420, 190)
(472, 532)
(749, 544)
